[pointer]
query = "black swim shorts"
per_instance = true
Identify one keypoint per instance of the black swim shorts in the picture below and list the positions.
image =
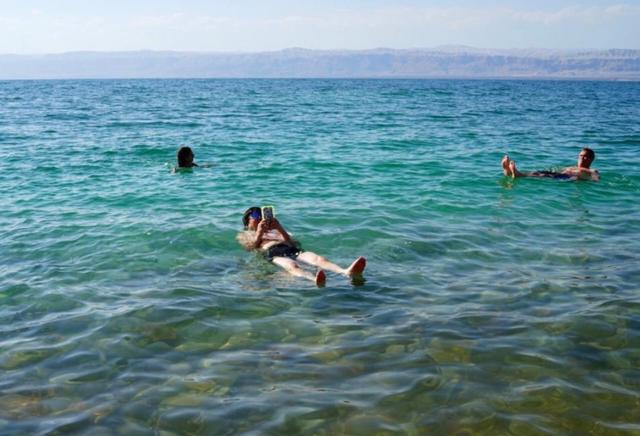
(552, 174)
(282, 250)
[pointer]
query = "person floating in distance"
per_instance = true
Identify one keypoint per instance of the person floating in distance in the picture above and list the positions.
(272, 240)
(582, 171)
(185, 158)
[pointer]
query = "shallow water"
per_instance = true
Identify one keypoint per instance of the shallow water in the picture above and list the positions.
(490, 306)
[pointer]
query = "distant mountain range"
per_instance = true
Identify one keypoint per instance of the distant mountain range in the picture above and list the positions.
(441, 62)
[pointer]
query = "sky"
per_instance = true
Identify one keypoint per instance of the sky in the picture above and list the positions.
(55, 26)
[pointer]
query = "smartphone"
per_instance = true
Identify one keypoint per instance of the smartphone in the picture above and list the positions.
(268, 212)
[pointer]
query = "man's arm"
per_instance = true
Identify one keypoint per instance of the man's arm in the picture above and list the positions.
(588, 174)
(582, 173)
(246, 239)
(275, 224)
(251, 240)
(260, 231)
(594, 175)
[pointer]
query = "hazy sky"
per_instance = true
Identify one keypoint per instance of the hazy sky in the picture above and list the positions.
(47, 26)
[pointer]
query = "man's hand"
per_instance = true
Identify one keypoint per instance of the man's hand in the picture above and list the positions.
(263, 226)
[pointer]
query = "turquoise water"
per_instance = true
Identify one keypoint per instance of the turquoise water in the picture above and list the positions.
(490, 306)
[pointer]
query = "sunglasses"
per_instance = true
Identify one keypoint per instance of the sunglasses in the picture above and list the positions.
(256, 215)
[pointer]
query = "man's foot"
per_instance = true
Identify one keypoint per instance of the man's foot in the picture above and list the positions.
(321, 278)
(505, 166)
(513, 169)
(357, 267)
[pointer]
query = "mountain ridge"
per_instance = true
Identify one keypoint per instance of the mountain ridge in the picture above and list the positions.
(298, 62)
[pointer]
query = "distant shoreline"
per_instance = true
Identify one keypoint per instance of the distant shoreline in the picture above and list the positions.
(463, 63)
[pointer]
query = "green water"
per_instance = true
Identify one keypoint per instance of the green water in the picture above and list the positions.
(490, 306)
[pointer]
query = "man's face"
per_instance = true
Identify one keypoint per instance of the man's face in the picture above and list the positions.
(584, 160)
(253, 223)
(254, 219)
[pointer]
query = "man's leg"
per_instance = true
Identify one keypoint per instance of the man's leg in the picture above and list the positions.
(356, 268)
(293, 268)
(505, 166)
(509, 168)
(514, 171)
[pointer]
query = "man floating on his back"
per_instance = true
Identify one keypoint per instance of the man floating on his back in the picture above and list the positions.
(263, 232)
(582, 171)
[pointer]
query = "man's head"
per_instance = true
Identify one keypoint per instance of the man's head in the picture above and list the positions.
(185, 157)
(251, 218)
(586, 157)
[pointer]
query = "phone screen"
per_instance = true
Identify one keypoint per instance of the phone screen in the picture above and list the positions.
(267, 213)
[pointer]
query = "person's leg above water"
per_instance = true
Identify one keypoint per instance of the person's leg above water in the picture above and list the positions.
(514, 171)
(356, 268)
(292, 267)
(509, 168)
(505, 165)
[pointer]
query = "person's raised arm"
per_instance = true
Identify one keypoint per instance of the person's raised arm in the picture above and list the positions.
(275, 224)
(262, 228)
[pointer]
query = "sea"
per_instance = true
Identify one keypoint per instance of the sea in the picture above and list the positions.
(488, 306)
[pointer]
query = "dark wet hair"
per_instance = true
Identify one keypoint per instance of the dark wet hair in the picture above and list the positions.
(590, 153)
(245, 215)
(183, 155)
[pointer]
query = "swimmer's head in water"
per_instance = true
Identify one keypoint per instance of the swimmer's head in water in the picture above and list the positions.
(586, 157)
(251, 217)
(185, 157)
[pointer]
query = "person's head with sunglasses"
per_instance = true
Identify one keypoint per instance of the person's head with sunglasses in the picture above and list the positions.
(251, 218)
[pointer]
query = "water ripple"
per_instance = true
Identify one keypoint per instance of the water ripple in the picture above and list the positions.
(490, 305)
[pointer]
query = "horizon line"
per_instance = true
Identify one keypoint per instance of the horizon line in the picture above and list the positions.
(295, 48)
